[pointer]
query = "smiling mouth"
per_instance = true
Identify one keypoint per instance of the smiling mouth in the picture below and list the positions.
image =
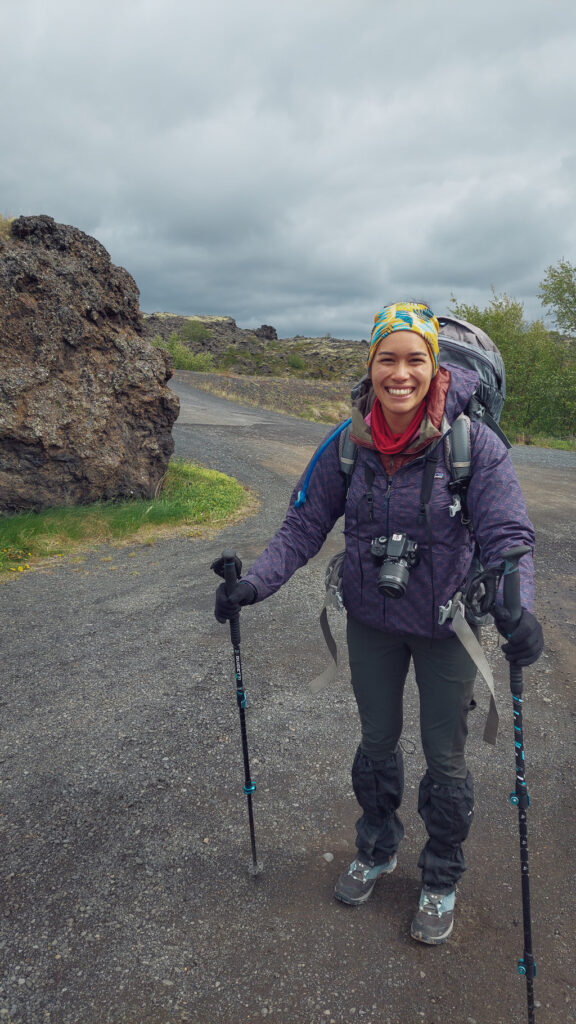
(400, 392)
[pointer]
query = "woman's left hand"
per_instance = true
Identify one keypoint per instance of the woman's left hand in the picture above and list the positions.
(525, 641)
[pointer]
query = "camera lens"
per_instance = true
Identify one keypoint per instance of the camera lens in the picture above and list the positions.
(393, 579)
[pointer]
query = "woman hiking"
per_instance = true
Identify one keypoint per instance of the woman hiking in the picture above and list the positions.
(393, 608)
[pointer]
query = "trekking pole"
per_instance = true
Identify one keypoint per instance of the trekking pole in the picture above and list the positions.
(520, 797)
(230, 579)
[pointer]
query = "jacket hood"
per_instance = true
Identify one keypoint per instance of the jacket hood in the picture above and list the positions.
(463, 384)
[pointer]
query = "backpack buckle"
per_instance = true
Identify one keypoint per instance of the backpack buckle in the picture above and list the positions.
(456, 506)
(447, 611)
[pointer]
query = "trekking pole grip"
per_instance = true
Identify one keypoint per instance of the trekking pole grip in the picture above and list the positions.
(231, 579)
(512, 583)
(513, 604)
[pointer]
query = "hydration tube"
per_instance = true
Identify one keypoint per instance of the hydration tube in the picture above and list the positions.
(301, 498)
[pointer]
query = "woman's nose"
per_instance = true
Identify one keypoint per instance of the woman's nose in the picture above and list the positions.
(401, 370)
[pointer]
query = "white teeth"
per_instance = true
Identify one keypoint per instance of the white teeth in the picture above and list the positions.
(399, 391)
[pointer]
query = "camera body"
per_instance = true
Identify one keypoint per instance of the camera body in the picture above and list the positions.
(395, 555)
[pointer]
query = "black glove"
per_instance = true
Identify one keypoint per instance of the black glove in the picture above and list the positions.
(228, 605)
(526, 640)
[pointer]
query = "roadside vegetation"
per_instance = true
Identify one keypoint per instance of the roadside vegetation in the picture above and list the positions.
(5, 223)
(182, 357)
(318, 401)
(191, 501)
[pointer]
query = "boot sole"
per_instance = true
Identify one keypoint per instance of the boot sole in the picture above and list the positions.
(354, 901)
(433, 941)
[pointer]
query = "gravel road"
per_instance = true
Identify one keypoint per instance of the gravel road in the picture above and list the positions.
(125, 893)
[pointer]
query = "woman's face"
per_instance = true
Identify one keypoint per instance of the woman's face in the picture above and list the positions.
(401, 373)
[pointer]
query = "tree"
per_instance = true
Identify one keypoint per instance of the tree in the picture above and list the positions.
(558, 291)
(539, 372)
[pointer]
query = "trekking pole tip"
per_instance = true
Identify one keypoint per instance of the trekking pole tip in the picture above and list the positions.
(255, 869)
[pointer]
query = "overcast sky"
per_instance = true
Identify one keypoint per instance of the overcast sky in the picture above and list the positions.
(299, 163)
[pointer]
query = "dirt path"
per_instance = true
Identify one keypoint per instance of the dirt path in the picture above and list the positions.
(125, 893)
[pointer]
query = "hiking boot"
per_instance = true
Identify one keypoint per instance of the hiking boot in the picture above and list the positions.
(355, 885)
(434, 919)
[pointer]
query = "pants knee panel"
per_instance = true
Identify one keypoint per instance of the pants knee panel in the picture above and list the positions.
(447, 811)
(378, 785)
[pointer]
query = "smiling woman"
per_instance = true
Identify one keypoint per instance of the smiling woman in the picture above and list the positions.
(406, 558)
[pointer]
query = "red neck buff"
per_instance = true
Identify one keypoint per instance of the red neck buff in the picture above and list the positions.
(387, 442)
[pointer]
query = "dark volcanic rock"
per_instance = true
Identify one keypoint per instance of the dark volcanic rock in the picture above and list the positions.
(216, 333)
(266, 332)
(85, 410)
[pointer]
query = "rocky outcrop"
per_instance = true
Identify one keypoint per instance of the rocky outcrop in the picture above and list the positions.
(85, 410)
(259, 350)
(213, 333)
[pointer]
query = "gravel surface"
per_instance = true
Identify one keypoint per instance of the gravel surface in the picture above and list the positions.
(126, 896)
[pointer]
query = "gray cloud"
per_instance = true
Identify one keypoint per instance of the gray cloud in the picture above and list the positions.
(299, 164)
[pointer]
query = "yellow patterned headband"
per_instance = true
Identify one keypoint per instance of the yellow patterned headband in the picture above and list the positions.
(406, 316)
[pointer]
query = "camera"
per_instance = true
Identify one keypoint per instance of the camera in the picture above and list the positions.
(395, 555)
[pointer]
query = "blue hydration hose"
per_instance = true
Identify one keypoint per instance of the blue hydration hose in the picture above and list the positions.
(301, 498)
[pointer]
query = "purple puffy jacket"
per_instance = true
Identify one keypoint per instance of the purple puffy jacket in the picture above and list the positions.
(495, 503)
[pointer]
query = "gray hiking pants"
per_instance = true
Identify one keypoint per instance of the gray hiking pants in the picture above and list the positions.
(445, 675)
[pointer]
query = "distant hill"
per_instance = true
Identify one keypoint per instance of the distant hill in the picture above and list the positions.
(259, 351)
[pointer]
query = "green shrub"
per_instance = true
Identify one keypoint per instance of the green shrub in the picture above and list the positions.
(194, 331)
(296, 362)
(201, 362)
(228, 358)
(182, 357)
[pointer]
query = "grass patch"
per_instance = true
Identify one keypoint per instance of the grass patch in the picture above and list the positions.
(319, 401)
(296, 362)
(564, 444)
(191, 500)
(5, 223)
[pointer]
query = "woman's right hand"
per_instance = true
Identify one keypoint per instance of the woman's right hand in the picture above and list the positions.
(228, 605)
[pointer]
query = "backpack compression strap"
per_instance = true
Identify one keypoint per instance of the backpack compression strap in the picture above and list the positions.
(458, 459)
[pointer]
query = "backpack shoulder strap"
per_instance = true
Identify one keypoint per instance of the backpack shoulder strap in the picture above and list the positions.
(430, 463)
(477, 411)
(348, 453)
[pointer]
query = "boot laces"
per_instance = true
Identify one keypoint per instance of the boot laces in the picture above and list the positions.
(432, 903)
(359, 870)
